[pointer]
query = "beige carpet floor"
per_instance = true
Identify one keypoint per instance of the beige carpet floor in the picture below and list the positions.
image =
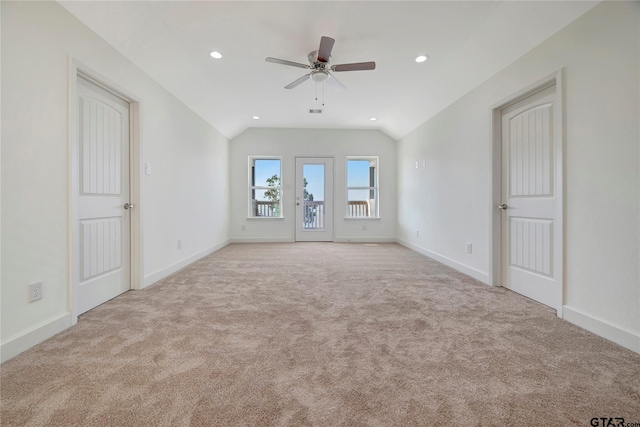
(320, 334)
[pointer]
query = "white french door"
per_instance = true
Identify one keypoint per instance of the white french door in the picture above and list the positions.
(102, 196)
(314, 199)
(531, 238)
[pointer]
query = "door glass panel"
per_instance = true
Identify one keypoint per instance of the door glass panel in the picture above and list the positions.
(313, 214)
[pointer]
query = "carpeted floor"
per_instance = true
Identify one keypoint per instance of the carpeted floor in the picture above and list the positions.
(320, 334)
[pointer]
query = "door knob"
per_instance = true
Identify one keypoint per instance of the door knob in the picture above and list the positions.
(128, 205)
(503, 206)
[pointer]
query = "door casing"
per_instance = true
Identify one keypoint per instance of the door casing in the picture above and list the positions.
(495, 214)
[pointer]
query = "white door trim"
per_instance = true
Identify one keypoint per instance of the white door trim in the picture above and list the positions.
(495, 214)
(77, 69)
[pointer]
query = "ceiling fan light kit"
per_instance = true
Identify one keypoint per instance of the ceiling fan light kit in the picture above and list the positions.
(319, 65)
(319, 76)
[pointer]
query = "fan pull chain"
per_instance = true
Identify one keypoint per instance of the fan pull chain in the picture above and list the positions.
(322, 92)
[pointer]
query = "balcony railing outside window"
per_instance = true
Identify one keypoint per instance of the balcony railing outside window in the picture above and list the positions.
(265, 208)
(358, 208)
(314, 213)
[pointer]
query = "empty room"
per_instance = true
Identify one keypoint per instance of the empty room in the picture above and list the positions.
(322, 213)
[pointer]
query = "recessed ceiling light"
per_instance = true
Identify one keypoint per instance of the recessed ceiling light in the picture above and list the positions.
(373, 119)
(256, 117)
(215, 54)
(422, 58)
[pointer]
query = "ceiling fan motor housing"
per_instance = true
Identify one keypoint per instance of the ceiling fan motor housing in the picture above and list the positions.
(313, 60)
(320, 70)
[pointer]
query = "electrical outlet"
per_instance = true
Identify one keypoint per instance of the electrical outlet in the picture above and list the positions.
(364, 228)
(179, 244)
(417, 233)
(35, 291)
(469, 248)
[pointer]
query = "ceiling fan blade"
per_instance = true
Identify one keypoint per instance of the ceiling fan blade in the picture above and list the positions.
(285, 62)
(299, 81)
(356, 66)
(335, 82)
(326, 46)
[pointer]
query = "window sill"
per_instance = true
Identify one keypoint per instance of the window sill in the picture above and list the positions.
(366, 218)
(262, 218)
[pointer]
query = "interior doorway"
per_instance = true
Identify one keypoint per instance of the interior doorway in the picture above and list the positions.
(529, 204)
(101, 195)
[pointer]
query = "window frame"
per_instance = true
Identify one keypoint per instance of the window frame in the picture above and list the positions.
(253, 188)
(375, 188)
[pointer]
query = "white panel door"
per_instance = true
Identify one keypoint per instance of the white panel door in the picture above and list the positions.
(530, 239)
(314, 199)
(104, 222)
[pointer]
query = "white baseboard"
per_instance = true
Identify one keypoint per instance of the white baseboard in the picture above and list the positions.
(364, 239)
(469, 271)
(167, 271)
(262, 240)
(291, 240)
(619, 335)
(34, 335)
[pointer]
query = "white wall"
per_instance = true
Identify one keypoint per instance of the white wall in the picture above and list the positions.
(449, 199)
(292, 143)
(186, 197)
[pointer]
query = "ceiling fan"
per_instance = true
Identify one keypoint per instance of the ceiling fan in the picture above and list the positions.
(320, 67)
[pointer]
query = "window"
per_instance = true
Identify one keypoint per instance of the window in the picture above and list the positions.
(362, 187)
(265, 188)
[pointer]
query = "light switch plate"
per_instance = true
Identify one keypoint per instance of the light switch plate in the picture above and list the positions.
(147, 168)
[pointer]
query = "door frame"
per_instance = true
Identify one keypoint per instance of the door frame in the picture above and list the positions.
(77, 70)
(333, 192)
(495, 214)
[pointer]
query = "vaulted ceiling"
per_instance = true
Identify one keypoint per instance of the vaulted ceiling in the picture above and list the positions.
(466, 41)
